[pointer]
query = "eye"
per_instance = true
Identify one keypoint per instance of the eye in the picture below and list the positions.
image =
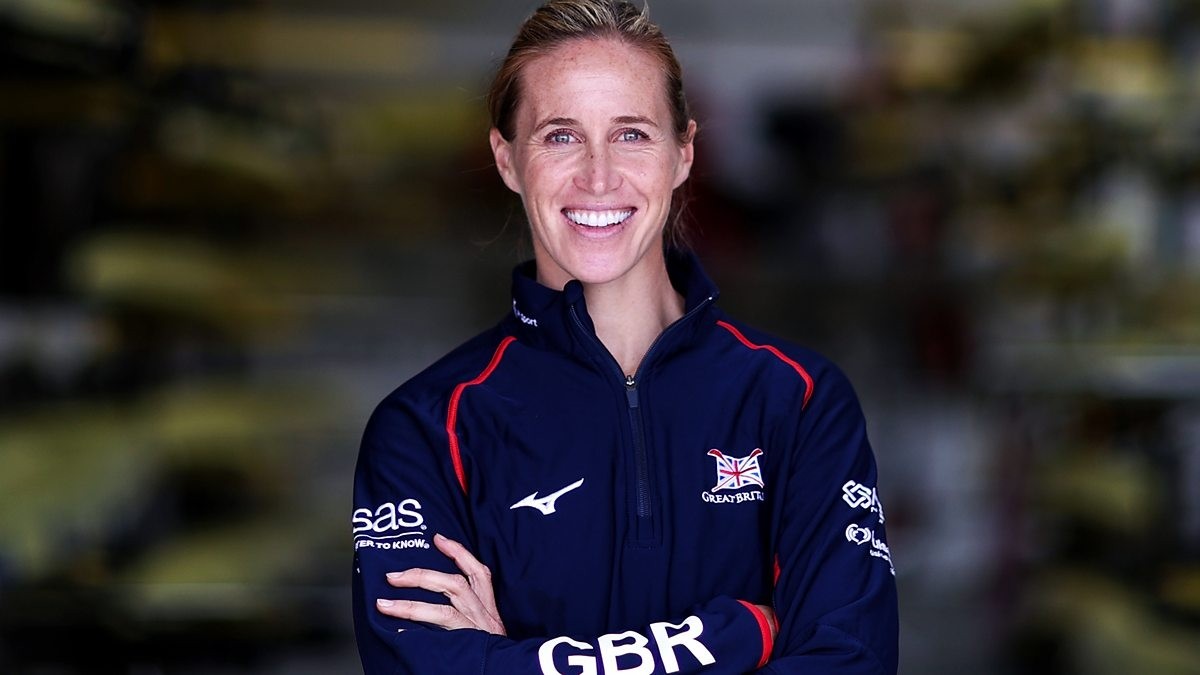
(560, 136)
(632, 135)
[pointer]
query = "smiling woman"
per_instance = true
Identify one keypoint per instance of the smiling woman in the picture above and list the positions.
(595, 162)
(694, 486)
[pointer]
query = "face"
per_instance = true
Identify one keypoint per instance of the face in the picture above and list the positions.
(595, 160)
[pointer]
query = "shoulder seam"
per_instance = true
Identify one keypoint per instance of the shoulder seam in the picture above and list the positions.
(452, 409)
(808, 381)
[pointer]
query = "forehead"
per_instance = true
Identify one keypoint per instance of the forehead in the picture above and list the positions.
(584, 73)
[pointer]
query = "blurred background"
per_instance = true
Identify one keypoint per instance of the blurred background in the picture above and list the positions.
(228, 229)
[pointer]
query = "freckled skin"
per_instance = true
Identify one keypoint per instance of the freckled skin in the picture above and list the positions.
(593, 132)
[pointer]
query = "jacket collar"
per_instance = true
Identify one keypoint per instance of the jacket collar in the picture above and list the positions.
(542, 317)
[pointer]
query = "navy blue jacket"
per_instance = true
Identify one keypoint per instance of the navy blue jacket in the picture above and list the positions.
(630, 522)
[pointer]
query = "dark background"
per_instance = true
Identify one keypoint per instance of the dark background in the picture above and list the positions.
(227, 229)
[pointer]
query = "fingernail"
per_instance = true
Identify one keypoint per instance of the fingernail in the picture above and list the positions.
(385, 603)
(439, 536)
(394, 575)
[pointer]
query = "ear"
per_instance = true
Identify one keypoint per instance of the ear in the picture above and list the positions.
(502, 153)
(687, 154)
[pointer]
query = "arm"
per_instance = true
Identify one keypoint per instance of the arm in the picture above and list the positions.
(835, 594)
(405, 491)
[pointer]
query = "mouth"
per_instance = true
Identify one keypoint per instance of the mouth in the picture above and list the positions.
(598, 219)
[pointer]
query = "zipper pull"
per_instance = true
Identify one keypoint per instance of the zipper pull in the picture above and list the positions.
(631, 391)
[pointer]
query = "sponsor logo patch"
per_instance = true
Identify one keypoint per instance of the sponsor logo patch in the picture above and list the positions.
(390, 526)
(859, 496)
(630, 652)
(545, 504)
(860, 536)
(521, 315)
(735, 473)
(865, 498)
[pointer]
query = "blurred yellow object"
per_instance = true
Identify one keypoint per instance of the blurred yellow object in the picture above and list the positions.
(232, 572)
(156, 269)
(1131, 74)
(1110, 629)
(1116, 493)
(244, 294)
(884, 141)
(929, 59)
(68, 478)
(73, 477)
(1180, 589)
(267, 41)
(414, 127)
(258, 152)
(93, 21)
(219, 420)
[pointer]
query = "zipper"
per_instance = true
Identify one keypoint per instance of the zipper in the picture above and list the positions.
(641, 461)
(642, 490)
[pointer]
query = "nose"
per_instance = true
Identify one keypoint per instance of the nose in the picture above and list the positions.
(598, 173)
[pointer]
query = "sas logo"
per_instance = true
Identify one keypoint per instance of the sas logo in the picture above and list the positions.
(382, 527)
(735, 473)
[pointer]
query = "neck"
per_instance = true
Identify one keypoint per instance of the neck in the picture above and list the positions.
(629, 313)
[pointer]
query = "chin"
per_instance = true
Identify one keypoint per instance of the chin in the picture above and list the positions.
(592, 273)
(604, 268)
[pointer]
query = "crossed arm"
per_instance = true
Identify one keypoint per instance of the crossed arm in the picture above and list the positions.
(472, 599)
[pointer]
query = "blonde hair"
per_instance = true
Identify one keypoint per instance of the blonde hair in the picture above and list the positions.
(559, 21)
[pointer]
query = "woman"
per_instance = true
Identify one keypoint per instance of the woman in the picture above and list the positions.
(617, 478)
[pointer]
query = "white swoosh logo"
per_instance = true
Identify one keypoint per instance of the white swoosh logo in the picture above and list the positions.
(545, 504)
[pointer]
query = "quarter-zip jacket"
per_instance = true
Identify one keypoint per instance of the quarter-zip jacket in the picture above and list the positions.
(631, 521)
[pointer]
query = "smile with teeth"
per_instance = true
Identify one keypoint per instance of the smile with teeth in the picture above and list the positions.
(589, 218)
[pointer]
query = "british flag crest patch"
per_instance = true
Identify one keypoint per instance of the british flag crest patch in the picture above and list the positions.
(734, 473)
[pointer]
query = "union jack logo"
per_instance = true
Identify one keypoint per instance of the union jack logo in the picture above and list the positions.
(737, 472)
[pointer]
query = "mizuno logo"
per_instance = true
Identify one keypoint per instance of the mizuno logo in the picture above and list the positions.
(545, 504)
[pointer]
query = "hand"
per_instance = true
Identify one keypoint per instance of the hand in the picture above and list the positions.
(772, 620)
(472, 601)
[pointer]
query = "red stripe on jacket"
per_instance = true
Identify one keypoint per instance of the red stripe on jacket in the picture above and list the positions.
(452, 411)
(808, 381)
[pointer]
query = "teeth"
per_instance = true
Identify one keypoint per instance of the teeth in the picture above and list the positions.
(597, 218)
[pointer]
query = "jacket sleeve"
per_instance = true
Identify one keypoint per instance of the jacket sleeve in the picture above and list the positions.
(405, 490)
(835, 592)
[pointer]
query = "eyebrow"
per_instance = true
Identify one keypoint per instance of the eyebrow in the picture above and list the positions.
(572, 122)
(634, 119)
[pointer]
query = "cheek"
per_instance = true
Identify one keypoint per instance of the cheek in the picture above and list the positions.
(650, 170)
(545, 179)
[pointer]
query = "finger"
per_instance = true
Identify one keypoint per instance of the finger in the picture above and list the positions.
(478, 574)
(430, 580)
(486, 615)
(454, 586)
(445, 616)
